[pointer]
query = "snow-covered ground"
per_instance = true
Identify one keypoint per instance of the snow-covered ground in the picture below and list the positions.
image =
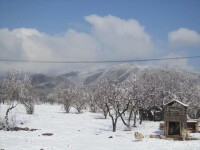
(86, 131)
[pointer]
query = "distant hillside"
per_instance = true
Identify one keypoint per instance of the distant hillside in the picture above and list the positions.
(40, 78)
(45, 84)
(120, 72)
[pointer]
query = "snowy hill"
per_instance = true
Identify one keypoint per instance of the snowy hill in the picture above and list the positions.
(120, 72)
(45, 83)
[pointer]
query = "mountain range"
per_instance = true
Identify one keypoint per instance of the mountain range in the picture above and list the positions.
(45, 84)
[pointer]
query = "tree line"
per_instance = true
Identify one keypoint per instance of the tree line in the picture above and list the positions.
(142, 94)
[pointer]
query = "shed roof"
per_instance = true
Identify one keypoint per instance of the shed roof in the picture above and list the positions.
(175, 100)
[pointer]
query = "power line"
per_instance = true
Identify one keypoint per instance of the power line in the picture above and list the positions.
(97, 61)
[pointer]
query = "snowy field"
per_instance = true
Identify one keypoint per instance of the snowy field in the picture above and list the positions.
(86, 131)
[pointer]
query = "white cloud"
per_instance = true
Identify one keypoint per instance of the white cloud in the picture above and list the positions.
(109, 38)
(30, 44)
(182, 63)
(121, 38)
(184, 37)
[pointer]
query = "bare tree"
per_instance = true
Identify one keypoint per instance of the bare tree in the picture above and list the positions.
(2, 92)
(26, 94)
(160, 85)
(99, 93)
(117, 102)
(52, 97)
(65, 96)
(92, 100)
(12, 88)
(133, 88)
(79, 99)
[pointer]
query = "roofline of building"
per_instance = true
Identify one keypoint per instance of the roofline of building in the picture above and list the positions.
(175, 100)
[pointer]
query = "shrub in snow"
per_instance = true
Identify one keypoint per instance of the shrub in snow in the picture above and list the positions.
(79, 99)
(65, 95)
(29, 108)
(26, 95)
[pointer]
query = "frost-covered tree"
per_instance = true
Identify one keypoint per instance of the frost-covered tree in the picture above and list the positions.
(132, 86)
(100, 97)
(16, 90)
(11, 94)
(80, 98)
(26, 94)
(52, 98)
(161, 85)
(150, 88)
(2, 91)
(71, 96)
(116, 100)
(65, 96)
(92, 99)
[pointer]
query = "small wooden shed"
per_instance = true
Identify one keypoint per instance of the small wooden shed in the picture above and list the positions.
(193, 125)
(175, 117)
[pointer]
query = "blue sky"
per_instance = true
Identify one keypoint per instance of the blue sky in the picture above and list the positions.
(153, 19)
(55, 16)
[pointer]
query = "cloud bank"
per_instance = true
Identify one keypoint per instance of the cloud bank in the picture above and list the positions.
(121, 38)
(30, 44)
(109, 38)
(184, 37)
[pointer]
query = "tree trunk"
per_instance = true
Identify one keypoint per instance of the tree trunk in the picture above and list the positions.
(67, 108)
(114, 127)
(79, 110)
(126, 124)
(7, 126)
(141, 116)
(114, 123)
(130, 115)
(93, 108)
(135, 115)
(105, 113)
(150, 116)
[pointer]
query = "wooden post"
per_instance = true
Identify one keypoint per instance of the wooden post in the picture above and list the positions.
(166, 127)
(197, 126)
(181, 127)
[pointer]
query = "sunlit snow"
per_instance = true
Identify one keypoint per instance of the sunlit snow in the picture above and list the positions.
(85, 131)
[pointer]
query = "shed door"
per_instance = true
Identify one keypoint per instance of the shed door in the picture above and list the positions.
(174, 128)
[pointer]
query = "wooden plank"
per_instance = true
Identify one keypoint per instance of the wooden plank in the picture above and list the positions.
(162, 126)
(178, 118)
(197, 127)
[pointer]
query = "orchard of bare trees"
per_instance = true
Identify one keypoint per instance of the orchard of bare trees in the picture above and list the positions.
(141, 93)
(144, 93)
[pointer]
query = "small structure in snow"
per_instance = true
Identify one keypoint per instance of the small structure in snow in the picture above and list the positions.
(175, 117)
(193, 125)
